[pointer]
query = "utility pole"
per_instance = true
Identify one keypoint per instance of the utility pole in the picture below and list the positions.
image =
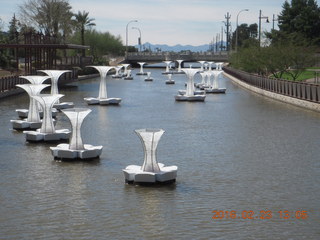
(221, 39)
(267, 21)
(228, 24)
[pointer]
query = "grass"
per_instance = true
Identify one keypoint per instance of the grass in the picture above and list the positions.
(307, 74)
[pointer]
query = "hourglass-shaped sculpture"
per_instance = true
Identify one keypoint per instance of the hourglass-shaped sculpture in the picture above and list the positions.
(207, 82)
(141, 69)
(202, 63)
(203, 79)
(103, 99)
(33, 120)
(219, 66)
(170, 81)
(47, 132)
(125, 72)
(167, 67)
(55, 76)
(214, 86)
(190, 94)
(128, 76)
(76, 149)
(151, 171)
(210, 66)
(117, 74)
(34, 79)
(179, 66)
(148, 78)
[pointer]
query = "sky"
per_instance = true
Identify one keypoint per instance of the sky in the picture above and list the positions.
(171, 22)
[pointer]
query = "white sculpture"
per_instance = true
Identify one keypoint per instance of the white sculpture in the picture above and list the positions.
(55, 75)
(219, 66)
(201, 68)
(214, 86)
(148, 78)
(151, 171)
(128, 76)
(103, 99)
(167, 67)
(203, 79)
(170, 81)
(179, 66)
(210, 66)
(33, 120)
(34, 79)
(76, 149)
(47, 132)
(141, 69)
(207, 82)
(190, 94)
(117, 75)
(125, 65)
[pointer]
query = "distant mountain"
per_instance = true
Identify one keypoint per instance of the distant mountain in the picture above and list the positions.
(176, 48)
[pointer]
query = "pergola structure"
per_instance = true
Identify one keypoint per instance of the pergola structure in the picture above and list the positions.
(40, 51)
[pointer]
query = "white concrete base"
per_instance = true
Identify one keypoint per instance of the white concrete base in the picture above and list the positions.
(23, 113)
(63, 105)
(62, 151)
(196, 92)
(103, 101)
(134, 174)
(37, 136)
(203, 86)
(164, 73)
(25, 125)
(116, 76)
(170, 82)
(194, 98)
(215, 90)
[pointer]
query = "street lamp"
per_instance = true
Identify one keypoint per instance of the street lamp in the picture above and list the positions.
(237, 27)
(127, 36)
(273, 20)
(139, 40)
(267, 21)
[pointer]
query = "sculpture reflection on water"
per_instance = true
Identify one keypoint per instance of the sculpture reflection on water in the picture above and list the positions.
(151, 171)
(76, 149)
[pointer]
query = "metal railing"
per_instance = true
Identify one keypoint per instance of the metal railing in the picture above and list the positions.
(301, 90)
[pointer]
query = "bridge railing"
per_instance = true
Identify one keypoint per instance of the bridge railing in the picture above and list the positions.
(300, 90)
(172, 56)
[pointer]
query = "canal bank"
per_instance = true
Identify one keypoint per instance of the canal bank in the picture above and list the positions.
(304, 103)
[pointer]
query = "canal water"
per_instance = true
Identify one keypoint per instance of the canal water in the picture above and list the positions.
(248, 168)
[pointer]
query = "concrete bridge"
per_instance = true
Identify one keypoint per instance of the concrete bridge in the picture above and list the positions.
(155, 57)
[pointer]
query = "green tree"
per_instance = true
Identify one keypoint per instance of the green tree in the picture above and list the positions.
(299, 22)
(101, 43)
(274, 60)
(48, 16)
(82, 22)
(247, 35)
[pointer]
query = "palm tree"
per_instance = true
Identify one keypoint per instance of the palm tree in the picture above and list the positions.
(83, 21)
